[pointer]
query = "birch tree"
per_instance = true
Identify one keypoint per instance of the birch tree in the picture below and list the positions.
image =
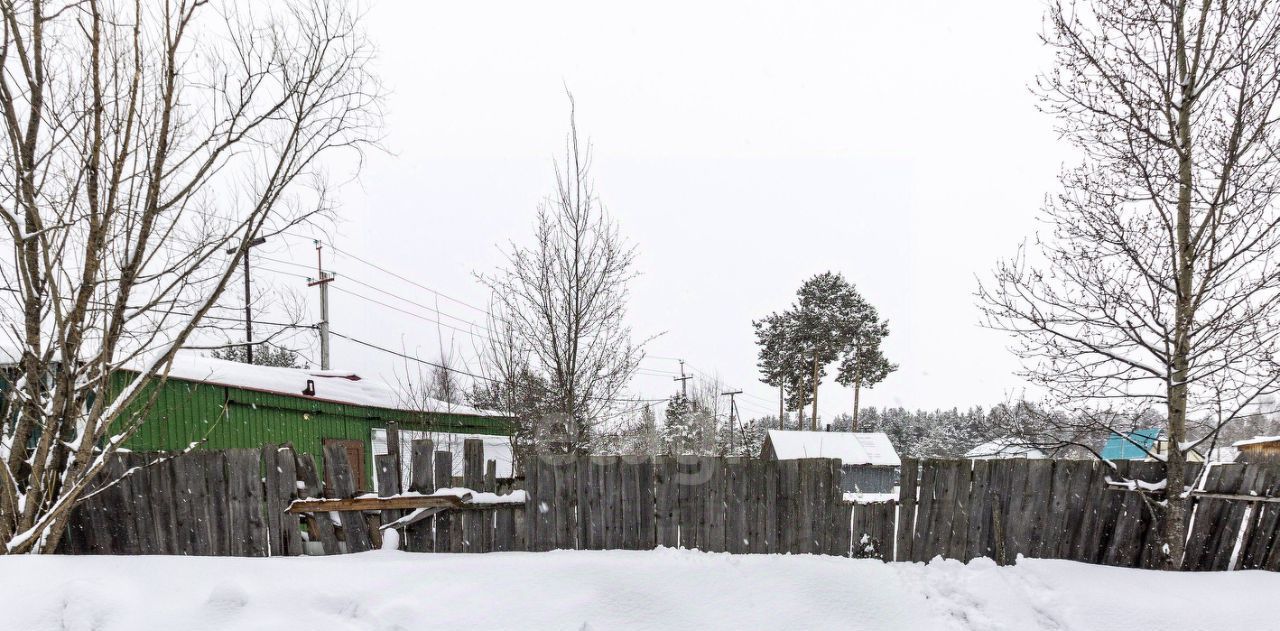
(1156, 284)
(142, 141)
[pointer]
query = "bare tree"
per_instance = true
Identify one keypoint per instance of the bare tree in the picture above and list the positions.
(510, 385)
(566, 297)
(1158, 285)
(142, 141)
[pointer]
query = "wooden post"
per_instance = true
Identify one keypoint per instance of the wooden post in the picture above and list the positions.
(997, 528)
(319, 525)
(473, 478)
(393, 450)
(473, 464)
(388, 470)
(286, 491)
(490, 477)
(417, 536)
(274, 508)
(423, 478)
(906, 507)
(354, 529)
(444, 521)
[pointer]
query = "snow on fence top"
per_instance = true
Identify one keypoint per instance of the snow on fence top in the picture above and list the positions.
(333, 386)
(869, 448)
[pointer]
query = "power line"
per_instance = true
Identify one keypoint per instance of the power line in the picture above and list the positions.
(407, 280)
(419, 360)
(411, 314)
(380, 290)
(416, 304)
(380, 268)
(282, 272)
(759, 407)
(411, 357)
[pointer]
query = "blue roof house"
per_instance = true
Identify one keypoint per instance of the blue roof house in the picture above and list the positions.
(1135, 445)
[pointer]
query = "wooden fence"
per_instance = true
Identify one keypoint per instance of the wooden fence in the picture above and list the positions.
(714, 504)
(1070, 509)
(233, 503)
(223, 503)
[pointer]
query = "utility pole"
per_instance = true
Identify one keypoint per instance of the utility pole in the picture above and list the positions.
(248, 297)
(733, 408)
(684, 387)
(323, 280)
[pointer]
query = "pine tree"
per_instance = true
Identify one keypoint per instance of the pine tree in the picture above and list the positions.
(864, 364)
(744, 439)
(690, 428)
(828, 319)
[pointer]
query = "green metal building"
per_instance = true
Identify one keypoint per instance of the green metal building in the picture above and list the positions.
(220, 405)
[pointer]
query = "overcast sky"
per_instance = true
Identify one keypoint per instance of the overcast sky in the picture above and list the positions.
(741, 146)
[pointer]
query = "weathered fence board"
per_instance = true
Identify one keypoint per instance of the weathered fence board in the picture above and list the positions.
(319, 525)
(355, 531)
(907, 508)
(420, 536)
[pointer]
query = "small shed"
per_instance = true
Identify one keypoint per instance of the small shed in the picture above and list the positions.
(1004, 448)
(868, 460)
(1258, 449)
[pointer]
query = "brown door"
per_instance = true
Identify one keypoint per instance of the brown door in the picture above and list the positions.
(355, 459)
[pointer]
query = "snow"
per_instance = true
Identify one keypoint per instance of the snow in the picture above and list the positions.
(1256, 440)
(869, 498)
(660, 589)
(1134, 485)
(855, 448)
(334, 386)
(1007, 447)
(481, 497)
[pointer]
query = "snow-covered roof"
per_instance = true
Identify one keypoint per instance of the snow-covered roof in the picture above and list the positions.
(1256, 440)
(1007, 447)
(871, 448)
(333, 386)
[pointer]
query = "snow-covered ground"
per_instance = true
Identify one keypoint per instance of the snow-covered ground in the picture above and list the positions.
(662, 589)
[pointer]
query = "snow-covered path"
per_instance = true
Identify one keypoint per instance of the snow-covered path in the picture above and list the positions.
(662, 589)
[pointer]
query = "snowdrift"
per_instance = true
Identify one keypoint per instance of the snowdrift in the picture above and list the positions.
(660, 589)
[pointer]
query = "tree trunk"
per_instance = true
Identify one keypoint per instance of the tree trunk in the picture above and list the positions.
(814, 421)
(1175, 523)
(782, 413)
(857, 386)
